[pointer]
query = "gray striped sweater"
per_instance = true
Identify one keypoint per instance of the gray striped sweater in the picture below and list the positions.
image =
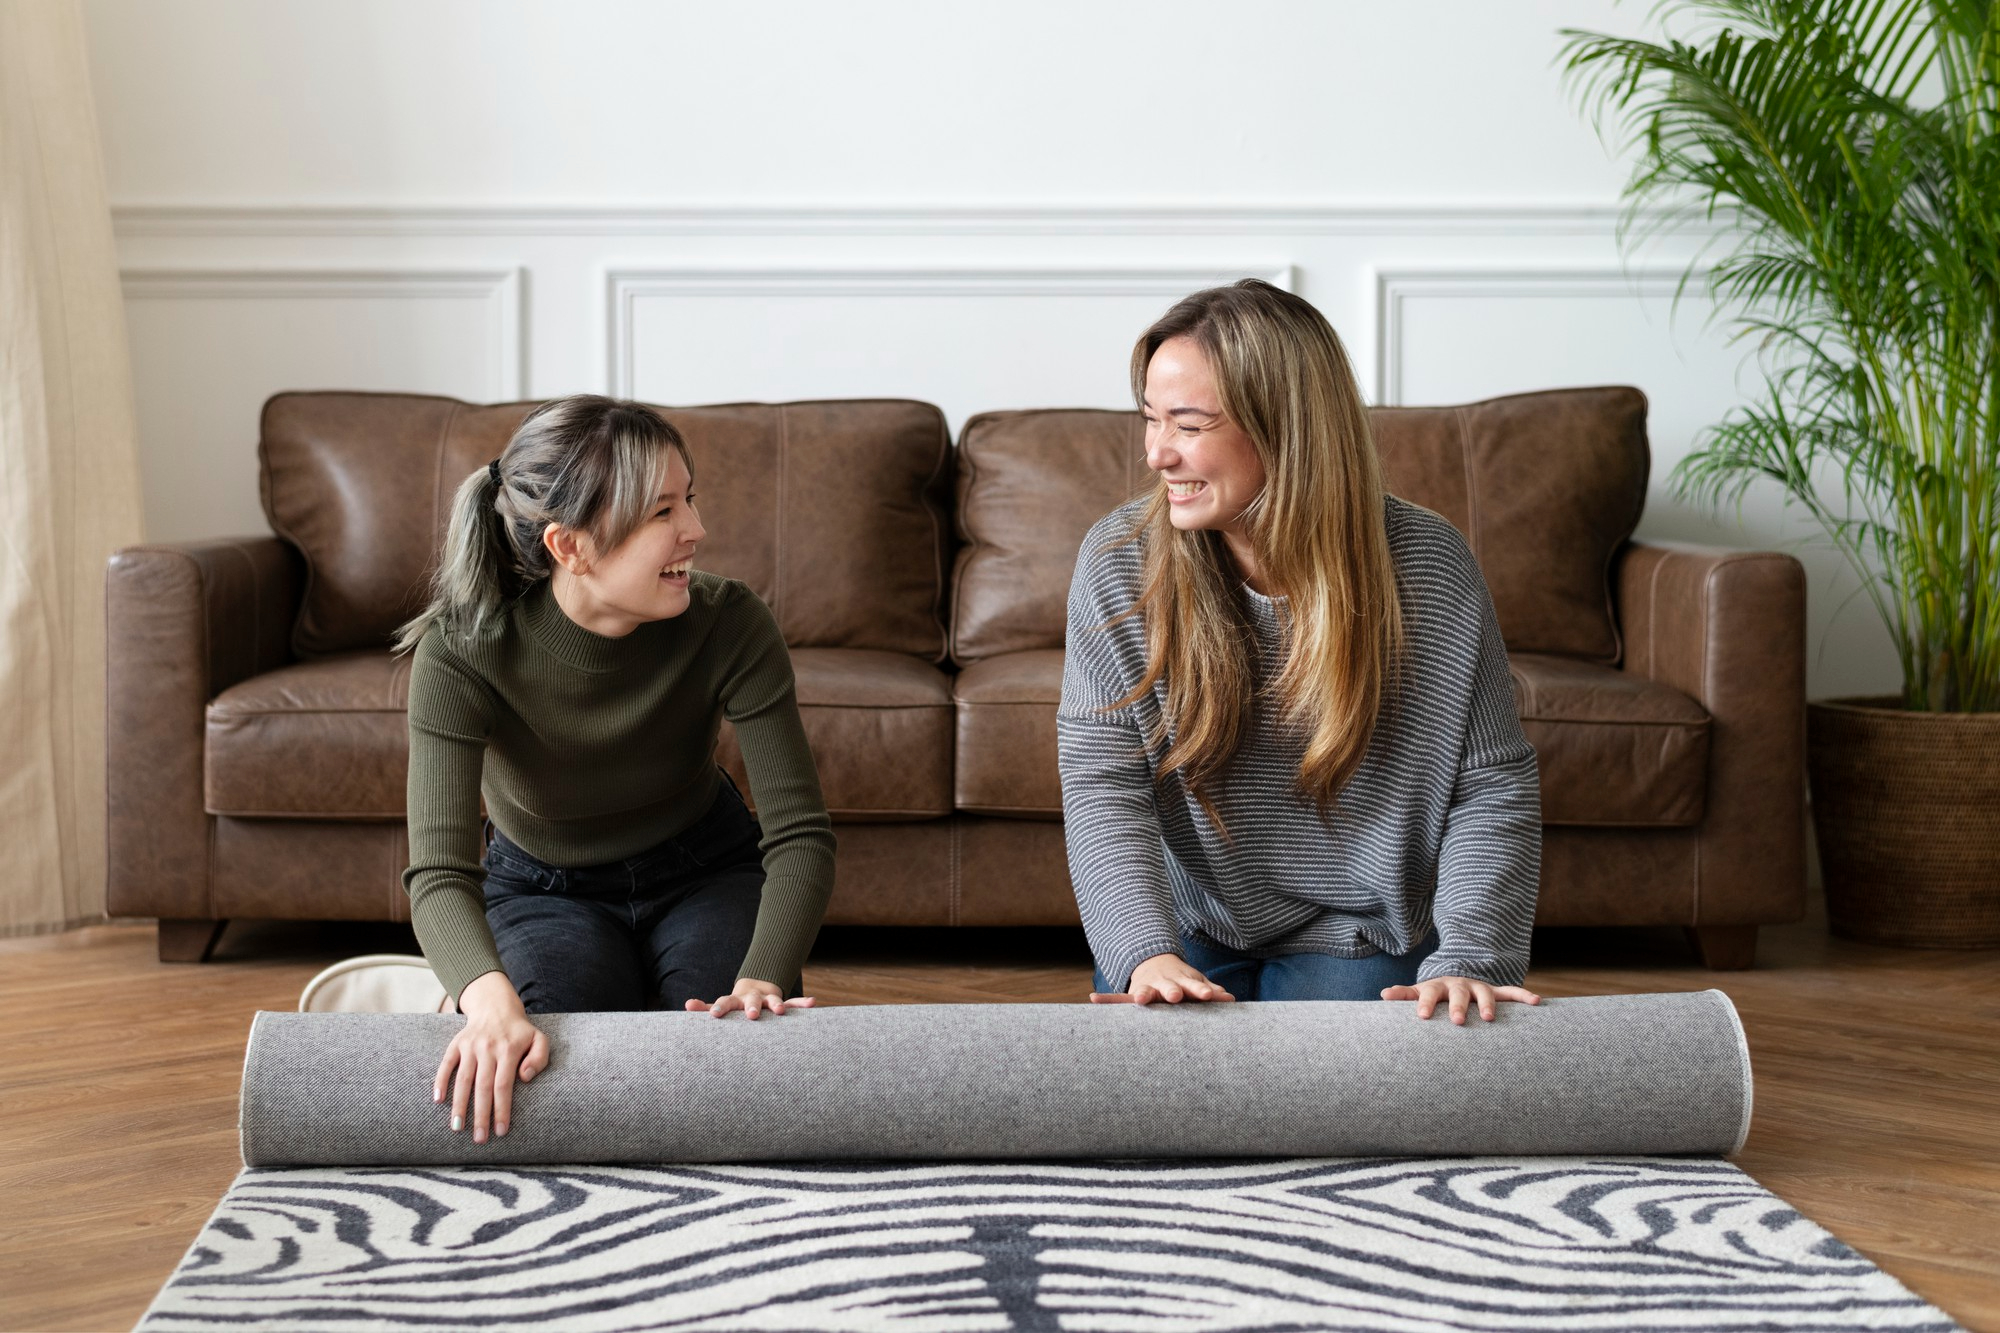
(1440, 824)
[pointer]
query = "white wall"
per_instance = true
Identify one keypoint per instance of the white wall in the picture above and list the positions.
(978, 206)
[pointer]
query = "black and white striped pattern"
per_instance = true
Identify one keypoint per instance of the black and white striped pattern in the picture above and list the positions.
(1426, 1244)
(1441, 822)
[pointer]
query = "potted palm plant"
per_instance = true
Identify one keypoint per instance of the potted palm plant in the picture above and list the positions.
(1851, 151)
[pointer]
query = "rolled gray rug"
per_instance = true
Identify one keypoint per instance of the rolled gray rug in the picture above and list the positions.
(1610, 1074)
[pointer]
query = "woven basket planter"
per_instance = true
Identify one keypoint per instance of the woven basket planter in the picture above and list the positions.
(1907, 810)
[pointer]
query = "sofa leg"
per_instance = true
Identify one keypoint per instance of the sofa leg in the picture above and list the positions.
(1725, 948)
(188, 941)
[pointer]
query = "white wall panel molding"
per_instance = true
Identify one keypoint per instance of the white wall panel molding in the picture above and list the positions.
(500, 288)
(626, 286)
(1392, 289)
(1386, 218)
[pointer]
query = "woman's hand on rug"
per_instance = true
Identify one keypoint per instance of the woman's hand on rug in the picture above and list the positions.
(1169, 977)
(753, 997)
(1460, 993)
(497, 1045)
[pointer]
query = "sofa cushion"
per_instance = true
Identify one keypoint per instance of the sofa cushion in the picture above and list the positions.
(329, 738)
(880, 729)
(1030, 484)
(325, 739)
(1615, 750)
(1545, 486)
(834, 512)
(1007, 735)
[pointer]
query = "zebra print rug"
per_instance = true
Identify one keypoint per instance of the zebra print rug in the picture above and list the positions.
(1638, 1243)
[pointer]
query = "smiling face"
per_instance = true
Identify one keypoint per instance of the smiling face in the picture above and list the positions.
(1211, 469)
(643, 578)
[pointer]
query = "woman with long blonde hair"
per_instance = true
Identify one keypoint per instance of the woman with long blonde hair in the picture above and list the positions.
(1291, 762)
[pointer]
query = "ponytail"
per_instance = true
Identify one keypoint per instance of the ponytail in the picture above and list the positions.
(477, 572)
(586, 462)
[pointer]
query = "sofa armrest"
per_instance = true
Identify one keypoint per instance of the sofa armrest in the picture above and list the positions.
(1727, 627)
(183, 623)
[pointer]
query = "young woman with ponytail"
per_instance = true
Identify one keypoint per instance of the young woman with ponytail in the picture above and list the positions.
(573, 668)
(1291, 762)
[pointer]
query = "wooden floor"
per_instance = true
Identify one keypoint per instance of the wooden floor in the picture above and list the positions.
(1878, 1084)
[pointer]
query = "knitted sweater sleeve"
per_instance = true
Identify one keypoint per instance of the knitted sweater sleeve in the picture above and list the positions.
(759, 697)
(1489, 866)
(450, 719)
(1111, 826)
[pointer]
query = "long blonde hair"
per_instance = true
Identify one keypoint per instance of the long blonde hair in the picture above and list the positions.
(590, 463)
(1320, 537)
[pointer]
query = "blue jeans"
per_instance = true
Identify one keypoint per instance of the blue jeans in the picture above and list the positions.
(1297, 976)
(652, 931)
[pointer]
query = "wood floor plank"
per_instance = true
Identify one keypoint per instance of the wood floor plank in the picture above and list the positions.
(1878, 1083)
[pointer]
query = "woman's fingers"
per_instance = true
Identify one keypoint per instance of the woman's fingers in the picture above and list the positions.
(445, 1066)
(461, 1089)
(1460, 995)
(482, 1098)
(752, 1006)
(537, 1058)
(1148, 994)
(483, 1071)
(503, 1093)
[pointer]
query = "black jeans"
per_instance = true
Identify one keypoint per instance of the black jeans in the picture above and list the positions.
(649, 932)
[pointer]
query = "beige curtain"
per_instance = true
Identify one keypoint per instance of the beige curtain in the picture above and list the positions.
(69, 474)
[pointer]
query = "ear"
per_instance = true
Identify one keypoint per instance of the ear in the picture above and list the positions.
(569, 548)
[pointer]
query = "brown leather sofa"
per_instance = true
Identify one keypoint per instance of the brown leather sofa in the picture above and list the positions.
(258, 741)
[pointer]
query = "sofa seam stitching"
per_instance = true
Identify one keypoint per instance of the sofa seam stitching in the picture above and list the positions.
(778, 523)
(439, 518)
(965, 477)
(941, 553)
(1653, 618)
(1618, 722)
(207, 663)
(956, 881)
(1702, 683)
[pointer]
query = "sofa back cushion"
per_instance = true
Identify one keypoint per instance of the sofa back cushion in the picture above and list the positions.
(1545, 486)
(1030, 484)
(833, 512)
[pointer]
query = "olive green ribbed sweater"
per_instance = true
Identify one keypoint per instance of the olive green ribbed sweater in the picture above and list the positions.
(590, 749)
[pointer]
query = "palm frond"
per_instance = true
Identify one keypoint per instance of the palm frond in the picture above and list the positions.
(1863, 235)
